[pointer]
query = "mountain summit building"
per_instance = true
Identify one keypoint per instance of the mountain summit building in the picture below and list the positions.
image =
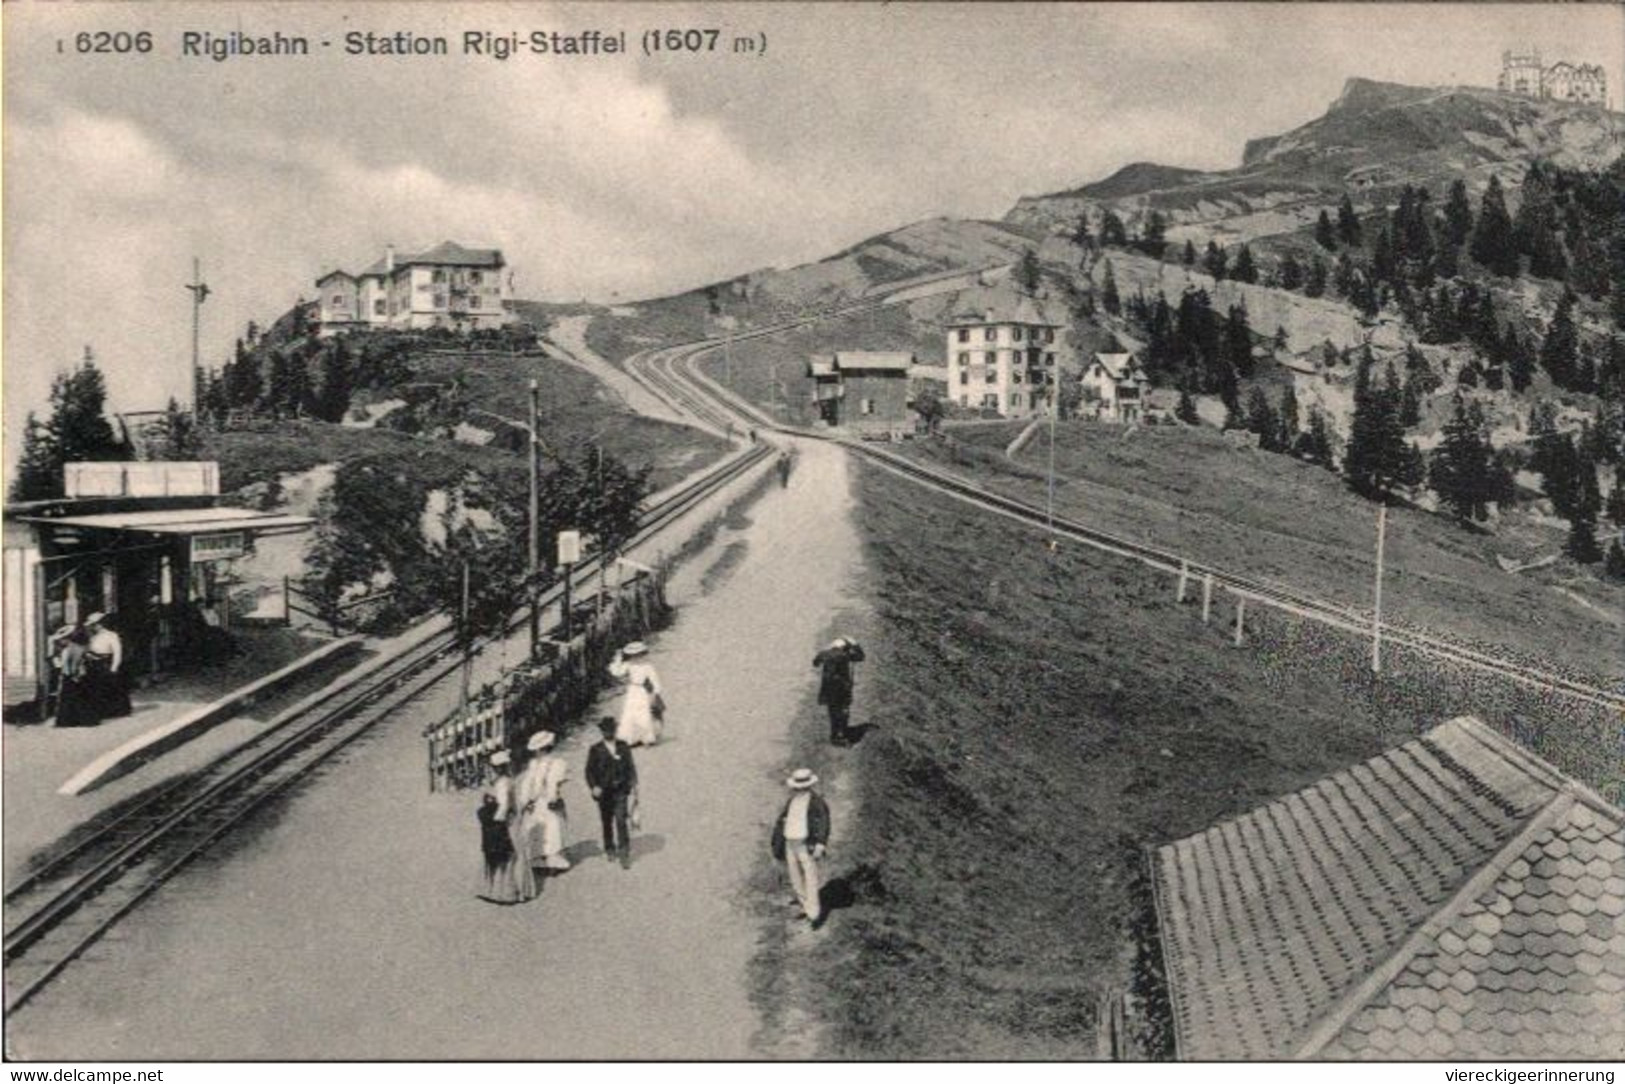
(448, 286)
(1523, 73)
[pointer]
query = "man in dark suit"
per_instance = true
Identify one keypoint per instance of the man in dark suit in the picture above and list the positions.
(835, 684)
(613, 780)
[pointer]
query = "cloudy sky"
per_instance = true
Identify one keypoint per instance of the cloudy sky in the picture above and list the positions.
(621, 177)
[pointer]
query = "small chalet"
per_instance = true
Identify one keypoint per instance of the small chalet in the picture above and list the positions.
(862, 390)
(1115, 387)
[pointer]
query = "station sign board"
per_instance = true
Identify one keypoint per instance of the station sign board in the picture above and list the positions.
(569, 547)
(222, 546)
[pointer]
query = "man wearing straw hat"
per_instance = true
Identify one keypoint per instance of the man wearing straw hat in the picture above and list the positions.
(800, 836)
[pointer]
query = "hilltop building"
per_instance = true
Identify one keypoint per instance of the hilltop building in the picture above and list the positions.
(1523, 73)
(447, 286)
(1004, 355)
(862, 390)
(1115, 387)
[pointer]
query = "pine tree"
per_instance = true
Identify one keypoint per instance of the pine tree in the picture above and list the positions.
(1112, 231)
(1614, 566)
(1288, 414)
(1520, 361)
(1314, 284)
(1153, 235)
(334, 371)
(1029, 276)
(79, 424)
(181, 440)
(1458, 214)
(1560, 349)
(39, 467)
(1186, 411)
(1616, 496)
(1348, 223)
(1291, 272)
(1261, 419)
(1325, 236)
(1411, 396)
(1188, 257)
(1238, 340)
(1243, 270)
(1081, 235)
(1492, 243)
(1582, 541)
(1461, 467)
(1316, 443)
(1109, 298)
(1213, 261)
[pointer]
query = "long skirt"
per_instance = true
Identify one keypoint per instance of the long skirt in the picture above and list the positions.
(75, 703)
(547, 833)
(108, 695)
(507, 877)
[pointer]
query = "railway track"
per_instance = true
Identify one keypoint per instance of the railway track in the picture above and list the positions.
(69, 901)
(679, 364)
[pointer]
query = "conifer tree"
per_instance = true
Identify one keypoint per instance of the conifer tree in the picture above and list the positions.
(1213, 261)
(1243, 270)
(1314, 283)
(1186, 411)
(1520, 360)
(1153, 235)
(1458, 214)
(1288, 417)
(39, 467)
(1112, 231)
(1616, 496)
(1291, 272)
(1238, 340)
(1492, 242)
(1348, 223)
(1109, 298)
(1560, 349)
(1614, 565)
(1261, 419)
(1315, 445)
(1325, 236)
(1462, 465)
(1188, 257)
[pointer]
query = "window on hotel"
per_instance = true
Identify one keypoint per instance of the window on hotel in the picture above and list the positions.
(964, 334)
(473, 278)
(440, 275)
(1016, 333)
(990, 335)
(964, 357)
(964, 376)
(1015, 399)
(378, 307)
(868, 406)
(1049, 359)
(990, 401)
(992, 375)
(992, 357)
(1015, 377)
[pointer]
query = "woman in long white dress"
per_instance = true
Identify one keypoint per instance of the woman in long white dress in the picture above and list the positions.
(541, 802)
(643, 708)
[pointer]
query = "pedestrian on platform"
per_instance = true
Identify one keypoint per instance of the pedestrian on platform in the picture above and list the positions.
(643, 709)
(800, 838)
(507, 877)
(784, 470)
(75, 702)
(612, 779)
(104, 669)
(835, 684)
(541, 802)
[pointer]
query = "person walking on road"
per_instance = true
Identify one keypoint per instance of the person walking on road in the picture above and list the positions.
(643, 710)
(104, 669)
(835, 684)
(784, 470)
(612, 779)
(507, 878)
(541, 803)
(800, 839)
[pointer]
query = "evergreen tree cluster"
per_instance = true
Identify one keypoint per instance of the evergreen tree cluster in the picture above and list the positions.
(76, 430)
(1193, 346)
(1466, 471)
(1379, 461)
(304, 376)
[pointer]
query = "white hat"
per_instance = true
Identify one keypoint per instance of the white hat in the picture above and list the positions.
(96, 618)
(839, 641)
(542, 739)
(801, 779)
(499, 758)
(636, 647)
(65, 630)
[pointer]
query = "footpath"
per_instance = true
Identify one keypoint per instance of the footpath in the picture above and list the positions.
(344, 925)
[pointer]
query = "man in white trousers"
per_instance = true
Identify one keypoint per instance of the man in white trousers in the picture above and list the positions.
(800, 838)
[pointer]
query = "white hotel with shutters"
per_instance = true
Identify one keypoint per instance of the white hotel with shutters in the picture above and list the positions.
(447, 286)
(1004, 355)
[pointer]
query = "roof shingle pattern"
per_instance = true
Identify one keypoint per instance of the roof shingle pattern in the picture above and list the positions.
(1332, 921)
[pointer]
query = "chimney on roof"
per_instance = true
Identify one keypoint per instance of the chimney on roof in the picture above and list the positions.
(389, 259)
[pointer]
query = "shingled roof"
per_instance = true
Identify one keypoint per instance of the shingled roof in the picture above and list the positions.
(1454, 897)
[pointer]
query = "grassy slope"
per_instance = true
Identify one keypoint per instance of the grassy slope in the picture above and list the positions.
(1040, 720)
(1274, 517)
(574, 408)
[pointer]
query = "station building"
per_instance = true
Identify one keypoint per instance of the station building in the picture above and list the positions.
(148, 544)
(866, 391)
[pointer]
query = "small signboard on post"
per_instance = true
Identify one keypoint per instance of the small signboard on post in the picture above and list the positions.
(569, 547)
(218, 547)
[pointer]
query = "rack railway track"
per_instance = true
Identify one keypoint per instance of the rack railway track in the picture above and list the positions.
(74, 896)
(679, 370)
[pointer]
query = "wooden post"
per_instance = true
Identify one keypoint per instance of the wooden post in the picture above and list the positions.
(534, 567)
(1207, 597)
(1376, 611)
(462, 631)
(1241, 617)
(1184, 577)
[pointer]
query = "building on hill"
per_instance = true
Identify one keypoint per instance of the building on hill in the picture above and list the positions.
(1455, 897)
(1523, 73)
(447, 286)
(862, 390)
(1005, 355)
(1115, 388)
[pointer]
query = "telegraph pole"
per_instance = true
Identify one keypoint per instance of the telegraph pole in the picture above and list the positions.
(1376, 613)
(534, 568)
(200, 292)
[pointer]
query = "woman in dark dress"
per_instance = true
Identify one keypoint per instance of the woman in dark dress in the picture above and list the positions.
(104, 669)
(75, 700)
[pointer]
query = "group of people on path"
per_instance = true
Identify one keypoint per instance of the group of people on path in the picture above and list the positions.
(90, 675)
(523, 817)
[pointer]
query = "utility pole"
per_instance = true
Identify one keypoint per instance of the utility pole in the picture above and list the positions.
(1049, 507)
(468, 642)
(1376, 613)
(200, 293)
(534, 567)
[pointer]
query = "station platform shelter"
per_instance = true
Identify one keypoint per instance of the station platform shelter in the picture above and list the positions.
(148, 544)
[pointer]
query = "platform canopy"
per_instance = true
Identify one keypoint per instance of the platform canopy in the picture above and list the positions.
(184, 521)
